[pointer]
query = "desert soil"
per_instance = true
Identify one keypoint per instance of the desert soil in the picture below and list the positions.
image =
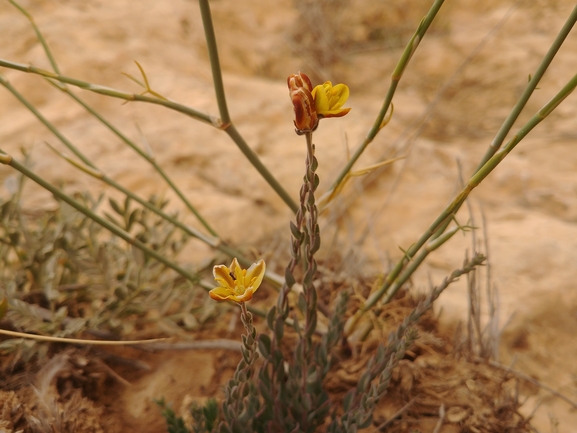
(465, 77)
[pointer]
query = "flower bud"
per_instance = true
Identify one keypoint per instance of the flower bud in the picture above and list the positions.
(300, 87)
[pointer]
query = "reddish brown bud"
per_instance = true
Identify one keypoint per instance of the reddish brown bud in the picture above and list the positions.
(300, 88)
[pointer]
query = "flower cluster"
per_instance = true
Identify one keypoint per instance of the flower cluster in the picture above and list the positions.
(312, 104)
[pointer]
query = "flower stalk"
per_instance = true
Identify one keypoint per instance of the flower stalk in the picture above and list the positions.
(396, 76)
(437, 227)
(242, 401)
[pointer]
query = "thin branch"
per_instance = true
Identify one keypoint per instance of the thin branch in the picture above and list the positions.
(395, 78)
(79, 341)
(531, 85)
(533, 381)
(113, 93)
(397, 414)
(448, 213)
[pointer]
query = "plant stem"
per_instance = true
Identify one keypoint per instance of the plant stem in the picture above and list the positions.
(218, 123)
(260, 167)
(531, 85)
(148, 158)
(92, 170)
(114, 93)
(226, 122)
(529, 89)
(214, 61)
(9, 160)
(38, 35)
(312, 240)
(395, 78)
(448, 213)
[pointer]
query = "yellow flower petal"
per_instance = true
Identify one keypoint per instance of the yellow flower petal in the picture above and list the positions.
(221, 294)
(329, 99)
(321, 99)
(255, 274)
(235, 270)
(246, 296)
(222, 276)
(341, 94)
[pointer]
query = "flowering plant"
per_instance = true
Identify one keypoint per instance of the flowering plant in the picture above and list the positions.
(312, 104)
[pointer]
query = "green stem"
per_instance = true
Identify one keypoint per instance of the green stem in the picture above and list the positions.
(38, 35)
(535, 78)
(226, 121)
(93, 171)
(148, 158)
(9, 160)
(448, 213)
(4, 82)
(256, 162)
(428, 248)
(395, 78)
(214, 61)
(114, 93)
(107, 91)
(529, 89)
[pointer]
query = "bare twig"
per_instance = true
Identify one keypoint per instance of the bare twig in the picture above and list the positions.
(441, 419)
(534, 381)
(77, 340)
(221, 344)
(397, 414)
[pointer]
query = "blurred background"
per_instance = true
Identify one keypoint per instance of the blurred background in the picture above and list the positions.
(462, 82)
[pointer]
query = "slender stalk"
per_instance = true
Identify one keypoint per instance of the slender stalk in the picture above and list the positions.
(395, 78)
(108, 91)
(148, 158)
(4, 82)
(261, 168)
(529, 89)
(214, 61)
(226, 121)
(38, 35)
(79, 340)
(537, 118)
(531, 85)
(9, 160)
(93, 171)
(429, 247)
(241, 402)
(448, 213)
(312, 243)
(114, 93)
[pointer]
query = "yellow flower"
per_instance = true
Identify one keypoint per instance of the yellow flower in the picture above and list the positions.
(237, 284)
(329, 99)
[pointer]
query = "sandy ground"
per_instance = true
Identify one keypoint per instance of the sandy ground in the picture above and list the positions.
(464, 91)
